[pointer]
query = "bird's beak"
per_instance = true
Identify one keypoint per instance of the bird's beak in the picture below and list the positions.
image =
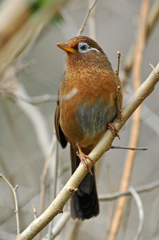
(65, 47)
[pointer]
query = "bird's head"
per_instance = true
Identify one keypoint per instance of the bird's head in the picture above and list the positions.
(83, 53)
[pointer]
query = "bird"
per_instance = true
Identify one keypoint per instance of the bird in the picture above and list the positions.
(82, 119)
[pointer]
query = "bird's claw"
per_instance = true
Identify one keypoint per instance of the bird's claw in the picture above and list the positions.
(84, 158)
(113, 129)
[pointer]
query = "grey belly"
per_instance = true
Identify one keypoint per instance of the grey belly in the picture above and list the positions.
(93, 120)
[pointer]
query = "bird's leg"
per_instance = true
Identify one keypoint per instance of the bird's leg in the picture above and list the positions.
(113, 129)
(84, 158)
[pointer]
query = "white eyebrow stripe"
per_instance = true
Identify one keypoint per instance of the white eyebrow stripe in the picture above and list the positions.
(94, 49)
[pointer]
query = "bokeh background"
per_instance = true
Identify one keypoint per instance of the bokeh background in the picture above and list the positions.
(26, 129)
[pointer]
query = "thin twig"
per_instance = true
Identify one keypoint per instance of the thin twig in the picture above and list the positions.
(45, 98)
(140, 211)
(92, 22)
(86, 18)
(15, 201)
(129, 148)
(44, 175)
(145, 188)
(151, 65)
(34, 211)
(119, 116)
(55, 176)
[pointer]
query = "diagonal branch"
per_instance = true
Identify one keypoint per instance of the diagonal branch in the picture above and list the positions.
(86, 18)
(104, 145)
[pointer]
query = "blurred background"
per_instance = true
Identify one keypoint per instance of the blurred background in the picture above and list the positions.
(31, 67)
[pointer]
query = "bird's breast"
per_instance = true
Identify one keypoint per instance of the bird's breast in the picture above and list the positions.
(93, 119)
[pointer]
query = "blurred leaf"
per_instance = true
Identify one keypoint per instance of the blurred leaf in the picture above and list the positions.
(40, 3)
(58, 18)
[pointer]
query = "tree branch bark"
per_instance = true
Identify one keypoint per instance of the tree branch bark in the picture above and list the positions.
(104, 145)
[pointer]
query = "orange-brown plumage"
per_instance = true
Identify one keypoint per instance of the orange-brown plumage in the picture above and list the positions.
(82, 119)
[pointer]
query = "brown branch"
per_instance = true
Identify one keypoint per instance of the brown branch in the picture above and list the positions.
(135, 129)
(23, 33)
(13, 15)
(129, 148)
(119, 116)
(104, 145)
(34, 211)
(152, 18)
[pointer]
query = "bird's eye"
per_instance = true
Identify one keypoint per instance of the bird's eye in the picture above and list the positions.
(83, 47)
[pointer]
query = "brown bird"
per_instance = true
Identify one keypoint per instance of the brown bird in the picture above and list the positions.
(83, 118)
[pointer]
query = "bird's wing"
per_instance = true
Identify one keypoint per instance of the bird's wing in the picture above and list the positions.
(59, 132)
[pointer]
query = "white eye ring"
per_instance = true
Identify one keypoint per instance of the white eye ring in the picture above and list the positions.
(84, 48)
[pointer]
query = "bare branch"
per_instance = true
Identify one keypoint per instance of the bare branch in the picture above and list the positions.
(119, 116)
(152, 18)
(140, 211)
(55, 176)
(141, 189)
(44, 174)
(129, 148)
(86, 18)
(46, 97)
(34, 211)
(57, 205)
(15, 201)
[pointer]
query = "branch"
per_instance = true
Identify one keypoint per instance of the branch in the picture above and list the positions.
(86, 18)
(119, 115)
(92, 22)
(15, 200)
(129, 148)
(104, 145)
(152, 18)
(55, 176)
(140, 210)
(34, 211)
(141, 189)
(44, 98)
(44, 174)
(135, 128)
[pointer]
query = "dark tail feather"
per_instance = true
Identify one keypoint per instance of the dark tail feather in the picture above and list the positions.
(84, 202)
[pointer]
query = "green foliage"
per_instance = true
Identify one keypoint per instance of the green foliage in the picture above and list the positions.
(39, 3)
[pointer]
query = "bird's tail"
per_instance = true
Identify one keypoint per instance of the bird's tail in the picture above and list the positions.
(84, 202)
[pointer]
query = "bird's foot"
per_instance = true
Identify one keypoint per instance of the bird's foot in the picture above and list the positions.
(113, 129)
(84, 158)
